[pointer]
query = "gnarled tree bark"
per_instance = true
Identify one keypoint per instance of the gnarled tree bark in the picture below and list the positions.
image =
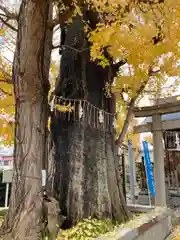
(31, 85)
(85, 178)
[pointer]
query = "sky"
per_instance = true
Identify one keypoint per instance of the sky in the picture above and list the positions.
(7, 47)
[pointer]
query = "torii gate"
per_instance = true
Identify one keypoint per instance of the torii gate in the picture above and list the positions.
(162, 106)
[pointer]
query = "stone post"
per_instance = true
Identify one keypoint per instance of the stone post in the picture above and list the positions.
(158, 151)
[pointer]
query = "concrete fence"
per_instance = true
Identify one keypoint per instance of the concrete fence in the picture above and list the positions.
(155, 224)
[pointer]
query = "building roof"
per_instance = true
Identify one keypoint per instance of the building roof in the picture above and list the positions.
(6, 151)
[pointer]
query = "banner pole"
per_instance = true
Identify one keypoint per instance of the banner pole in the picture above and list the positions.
(149, 172)
(132, 171)
(149, 194)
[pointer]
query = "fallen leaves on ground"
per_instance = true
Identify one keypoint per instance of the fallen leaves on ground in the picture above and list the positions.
(176, 233)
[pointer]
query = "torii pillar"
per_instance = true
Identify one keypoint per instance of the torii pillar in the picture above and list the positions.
(163, 106)
(158, 152)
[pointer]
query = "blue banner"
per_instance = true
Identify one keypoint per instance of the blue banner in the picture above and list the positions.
(149, 170)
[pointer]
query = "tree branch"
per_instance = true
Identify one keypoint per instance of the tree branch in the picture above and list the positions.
(4, 92)
(6, 77)
(8, 24)
(9, 14)
(129, 115)
(61, 18)
(128, 119)
(8, 81)
(119, 64)
(151, 1)
(55, 47)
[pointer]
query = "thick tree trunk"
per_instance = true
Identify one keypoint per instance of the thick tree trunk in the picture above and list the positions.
(31, 86)
(85, 180)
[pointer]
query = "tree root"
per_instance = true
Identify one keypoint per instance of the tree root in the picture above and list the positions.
(51, 221)
(52, 218)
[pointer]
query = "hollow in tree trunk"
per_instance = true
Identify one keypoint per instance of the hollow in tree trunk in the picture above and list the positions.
(85, 180)
(31, 86)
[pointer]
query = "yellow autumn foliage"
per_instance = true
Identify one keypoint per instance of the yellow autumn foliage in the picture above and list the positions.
(149, 139)
(6, 104)
(7, 109)
(64, 108)
(87, 229)
(54, 71)
(121, 115)
(143, 33)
